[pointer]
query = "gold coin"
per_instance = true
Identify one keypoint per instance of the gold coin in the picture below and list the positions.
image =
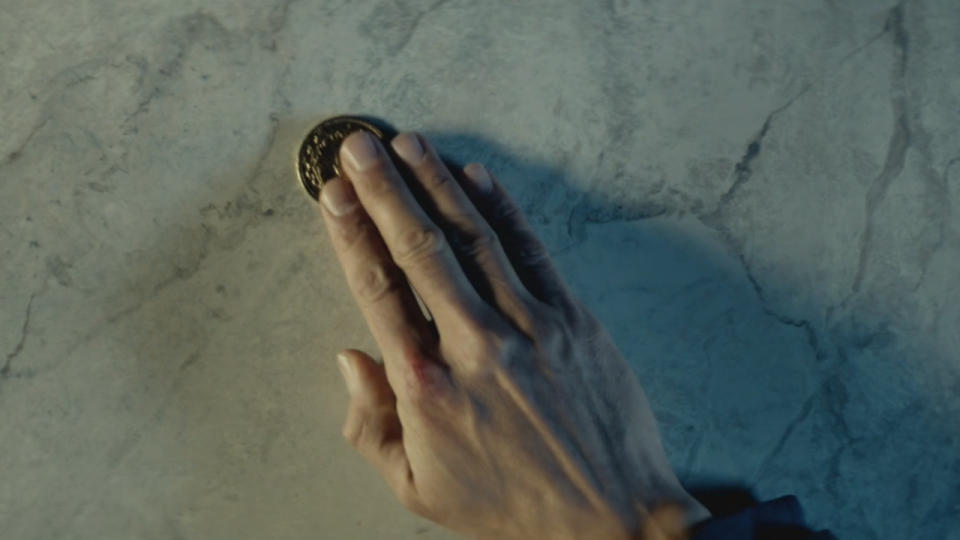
(319, 158)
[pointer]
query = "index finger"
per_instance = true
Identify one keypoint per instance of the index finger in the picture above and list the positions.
(379, 287)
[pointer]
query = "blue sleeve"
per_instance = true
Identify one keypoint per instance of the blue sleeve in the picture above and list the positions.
(780, 519)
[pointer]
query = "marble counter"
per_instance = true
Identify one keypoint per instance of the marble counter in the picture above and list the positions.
(761, 200)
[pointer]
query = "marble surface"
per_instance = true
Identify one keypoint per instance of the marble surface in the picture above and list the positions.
(761, 199)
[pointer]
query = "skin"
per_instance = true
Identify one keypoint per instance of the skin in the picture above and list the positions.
(505, 410)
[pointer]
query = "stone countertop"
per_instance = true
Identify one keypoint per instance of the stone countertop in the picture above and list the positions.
(760, 199)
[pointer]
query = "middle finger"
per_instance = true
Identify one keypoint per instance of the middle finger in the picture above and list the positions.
(473, 238)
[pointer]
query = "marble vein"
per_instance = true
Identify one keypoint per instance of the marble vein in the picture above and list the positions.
(899, 140)
(947, 167)
(742, 171)
(5, 370)
(18, 151)
(802, 415)
(408, 32)
(184, 273)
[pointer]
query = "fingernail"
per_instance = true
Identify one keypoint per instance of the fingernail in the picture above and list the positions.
(407, 145)
(481, 179)
(361, 150)
(339, 197)
(347, 371)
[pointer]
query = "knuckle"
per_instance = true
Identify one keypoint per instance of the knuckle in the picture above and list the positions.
(549, 329)
(355, 230)
(575, 315)
(418, 396)
(480, 357)
(435, 175)
(419, 375)
(479, 326)
(428, 391)
(489, 348)
(376, 281)
(532, 253)
(506, 212)
(578, 318)
(515, 352)
(475, 243)
(423, 393)
(527, 251)
(489, 356)
(552, 319)
(417, 244)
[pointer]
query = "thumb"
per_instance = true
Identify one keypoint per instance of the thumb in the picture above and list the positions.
(372, 426)
(366, 380)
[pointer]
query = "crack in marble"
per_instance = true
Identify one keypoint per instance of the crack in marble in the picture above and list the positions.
(56, 85)
(866, 44)
(142, 106)
(284, 104)
(12, 355)
(80, 79)
(189, 29)
(190, 360)
(946, 170)
(584, 213)
(942, 214)
(279, 22)
(742, 170)
(712, 222)
(834, 394)
(185, 32)
(18, 151)
(801, 415)
(378, 30)
(128, 443)
(900, 140)
(276, 21)
(182, 273)
(405, 40)
(371, 29)
(803, 324)
(899, 143)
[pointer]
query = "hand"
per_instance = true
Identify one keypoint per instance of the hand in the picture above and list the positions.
(509, 413)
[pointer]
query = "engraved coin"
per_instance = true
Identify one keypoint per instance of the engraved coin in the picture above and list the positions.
(319, 158)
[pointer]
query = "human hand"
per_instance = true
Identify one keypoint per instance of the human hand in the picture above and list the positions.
(509, 413)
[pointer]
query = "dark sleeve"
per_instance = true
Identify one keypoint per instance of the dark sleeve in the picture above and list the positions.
(780, 519)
